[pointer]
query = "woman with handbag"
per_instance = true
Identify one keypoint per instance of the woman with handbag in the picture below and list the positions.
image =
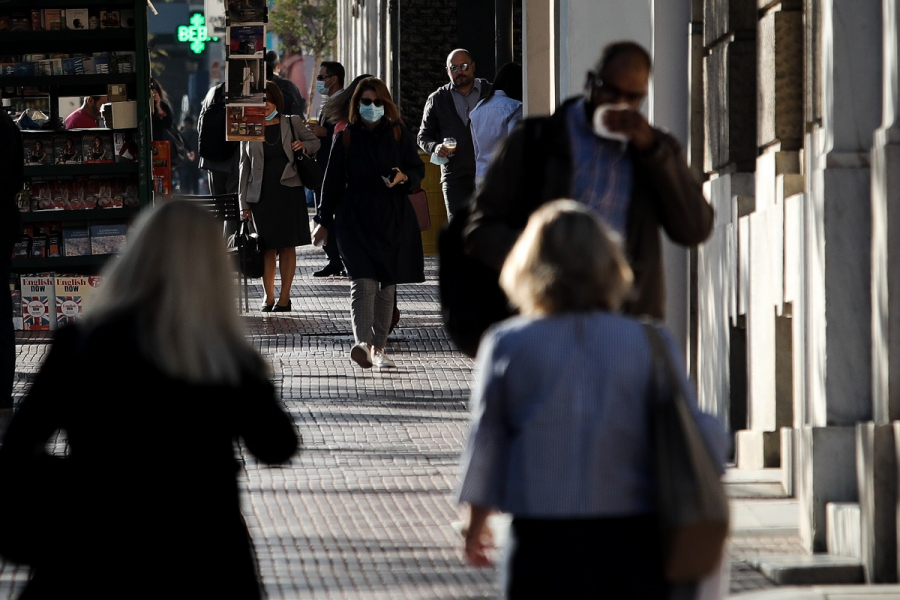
(374, 164)
(149, 486)
(271, 190)
(561, 433)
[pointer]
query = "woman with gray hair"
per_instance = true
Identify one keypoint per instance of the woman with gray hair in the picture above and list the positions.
(153, 389)
(560, 434)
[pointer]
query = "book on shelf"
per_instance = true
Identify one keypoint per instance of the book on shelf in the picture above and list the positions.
(110, 19)
(54, 19)
(4, 22)
(97, 148)
(15, 293)
(76, 241)
(77, 19)
(67, 149)
(26, 69)
(107, 239)
(122, 62)
(20, 20)
(126, 17)
(101, 63)
(38, 303)
(22, 246)
(37, 22)
(125, 144)
(38, 244)
(72, 293)
(73, 66)
(38, 148)
(7, 69)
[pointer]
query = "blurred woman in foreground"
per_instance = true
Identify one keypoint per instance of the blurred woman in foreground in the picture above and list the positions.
(561, 435)
(153, 390)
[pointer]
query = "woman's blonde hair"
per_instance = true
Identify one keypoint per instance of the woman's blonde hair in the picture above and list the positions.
(566, 260)
(175, 277)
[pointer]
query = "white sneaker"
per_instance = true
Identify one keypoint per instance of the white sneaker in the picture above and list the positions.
(361, 354)
(380, 360)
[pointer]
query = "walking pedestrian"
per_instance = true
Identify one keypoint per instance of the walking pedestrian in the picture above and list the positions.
(445, 131)
(495, 116)
(271, 190)
(561, 429)
(173, 387)
(374, 164)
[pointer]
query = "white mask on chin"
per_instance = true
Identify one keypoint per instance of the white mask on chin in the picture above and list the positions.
(600, 129)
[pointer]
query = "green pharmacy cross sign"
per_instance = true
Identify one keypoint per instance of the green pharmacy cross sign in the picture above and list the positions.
(195, 33)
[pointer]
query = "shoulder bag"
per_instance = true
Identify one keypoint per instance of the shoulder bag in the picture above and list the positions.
(308, 169)
(691, 501)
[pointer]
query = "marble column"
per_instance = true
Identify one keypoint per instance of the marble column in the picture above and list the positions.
(837, 236)
(886, 219)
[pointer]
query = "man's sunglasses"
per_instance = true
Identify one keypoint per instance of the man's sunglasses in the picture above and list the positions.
(464, 67)
(369, 101)
(604, 87)
(323, 77)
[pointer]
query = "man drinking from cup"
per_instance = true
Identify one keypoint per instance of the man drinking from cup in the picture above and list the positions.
(445, 132)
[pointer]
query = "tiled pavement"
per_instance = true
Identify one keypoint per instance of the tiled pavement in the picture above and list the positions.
(365, 511)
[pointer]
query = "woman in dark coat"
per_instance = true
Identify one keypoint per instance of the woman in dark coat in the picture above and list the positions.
(373, 166)
(153, 389)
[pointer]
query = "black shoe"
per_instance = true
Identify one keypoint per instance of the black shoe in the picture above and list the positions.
(280, 308)
(332, 269)
(266, 307)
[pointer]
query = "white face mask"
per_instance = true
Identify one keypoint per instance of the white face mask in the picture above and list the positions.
(600, 129)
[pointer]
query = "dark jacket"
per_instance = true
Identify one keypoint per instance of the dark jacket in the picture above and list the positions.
(12, 157)
(156, 499)
(377, 231)
(664, 194)
(440, 120)
(294, 103)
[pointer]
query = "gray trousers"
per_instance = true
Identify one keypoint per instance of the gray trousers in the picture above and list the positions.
(371, 309)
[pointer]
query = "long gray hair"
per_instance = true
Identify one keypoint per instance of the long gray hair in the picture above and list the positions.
(174, 275)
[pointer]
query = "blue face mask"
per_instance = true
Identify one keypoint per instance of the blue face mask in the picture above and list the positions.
(371, 113)
(320, 87)
(273, 115)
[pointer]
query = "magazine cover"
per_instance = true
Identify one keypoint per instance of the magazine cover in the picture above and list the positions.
(22, 247)
(245, 81)
(77, 18)
(76, 241)
(38, 148)
(125, 146)
(97, 148)
(72, 293)
(245, 123)
(246, 11)
(67, 149)
(16, 295)
(246, 40)
(162, 167)
(107, 239)
(38, 308)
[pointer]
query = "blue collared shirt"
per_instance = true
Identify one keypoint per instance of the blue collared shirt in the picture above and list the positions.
(601, 171)
(561, 418)
(491, 122)
(464, 103)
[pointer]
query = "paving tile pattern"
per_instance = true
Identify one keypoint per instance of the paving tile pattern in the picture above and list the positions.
(365, 511)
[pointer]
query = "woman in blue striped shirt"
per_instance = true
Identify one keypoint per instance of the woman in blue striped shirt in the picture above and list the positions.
(560, 433)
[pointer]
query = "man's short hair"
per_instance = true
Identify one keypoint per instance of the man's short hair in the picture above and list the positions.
(272, 58)
(452, 52)
(631, 50)
(334, 68)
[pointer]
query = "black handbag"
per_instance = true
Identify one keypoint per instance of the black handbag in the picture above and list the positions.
(308, 169)
(692, 504)
(247, 246)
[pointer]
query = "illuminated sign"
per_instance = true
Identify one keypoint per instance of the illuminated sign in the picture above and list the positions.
(195, 34)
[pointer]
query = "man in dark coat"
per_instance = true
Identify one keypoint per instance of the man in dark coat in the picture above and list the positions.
(446, 115)
(598, 149)
(294, 102)
(13, 160)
